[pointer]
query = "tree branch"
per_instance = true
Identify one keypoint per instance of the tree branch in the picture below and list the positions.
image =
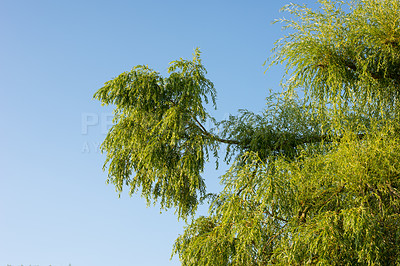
(212, 136)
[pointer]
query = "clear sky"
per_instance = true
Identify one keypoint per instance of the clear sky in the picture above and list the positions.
(55, 207)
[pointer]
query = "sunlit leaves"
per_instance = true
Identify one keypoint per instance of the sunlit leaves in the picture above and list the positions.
(344, 54)
(329, 208)
(317, 181)
(156, 144)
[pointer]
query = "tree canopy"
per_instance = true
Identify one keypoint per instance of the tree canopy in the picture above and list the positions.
(314, 180)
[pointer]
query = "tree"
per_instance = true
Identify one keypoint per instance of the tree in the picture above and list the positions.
(313, 180)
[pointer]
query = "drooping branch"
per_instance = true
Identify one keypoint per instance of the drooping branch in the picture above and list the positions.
(212, 136)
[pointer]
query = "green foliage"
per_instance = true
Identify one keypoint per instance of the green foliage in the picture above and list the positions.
(344, 53)
(312, 181)
(157, 132)
(341, 206)
(284, 125)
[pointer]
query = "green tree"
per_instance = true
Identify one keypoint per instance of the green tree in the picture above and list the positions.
(313, 180)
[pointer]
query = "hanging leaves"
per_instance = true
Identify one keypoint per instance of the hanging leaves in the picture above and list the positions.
(157, 143)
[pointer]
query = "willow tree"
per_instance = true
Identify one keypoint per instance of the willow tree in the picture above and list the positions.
(312, 181)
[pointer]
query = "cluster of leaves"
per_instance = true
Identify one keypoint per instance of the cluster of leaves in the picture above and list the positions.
(157, 133)
(313, 181)
(279, 129)
(337, 206)
(346, 52)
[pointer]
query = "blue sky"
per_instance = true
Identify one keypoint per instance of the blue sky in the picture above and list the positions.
(55, 207)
